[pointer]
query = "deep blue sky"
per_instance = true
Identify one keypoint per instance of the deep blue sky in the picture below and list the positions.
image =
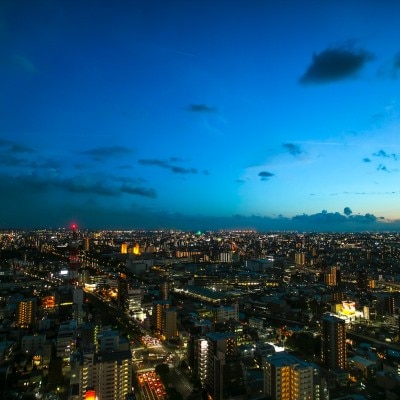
(200, 114)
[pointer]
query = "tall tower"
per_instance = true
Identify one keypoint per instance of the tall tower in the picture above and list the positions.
(73, 256)
(333, 351)
(164, 290)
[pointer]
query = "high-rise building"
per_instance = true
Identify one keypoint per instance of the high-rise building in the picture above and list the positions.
(300, 259)
(124, 248)
(333, 350)
(86, 244)
(26, 312)
(107, 371)
(389, 305)
(158, 314)
(332, 276)
(223, 373)
(164, 290)
(171, 329)
(287, 377)
(133, 300)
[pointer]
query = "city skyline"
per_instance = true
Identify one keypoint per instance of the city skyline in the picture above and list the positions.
(200, 115)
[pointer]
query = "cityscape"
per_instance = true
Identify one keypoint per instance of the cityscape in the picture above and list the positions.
(169, 314)
(199, 200)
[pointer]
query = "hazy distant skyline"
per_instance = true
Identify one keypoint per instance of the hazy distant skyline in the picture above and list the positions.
(200, 114)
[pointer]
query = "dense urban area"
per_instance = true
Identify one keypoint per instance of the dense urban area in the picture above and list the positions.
(121, 315)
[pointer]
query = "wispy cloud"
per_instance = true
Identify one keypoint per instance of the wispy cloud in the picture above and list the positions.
(44, 182)
(334, 64)
(396, 65)
(88, 184)
(102, 153)
(294, 149)
(20, 157)
(265, 175)
(168, 164)
(201, 108)
(139, 191)
(384, 154)
(15, 147)
(382, 167)
(363, 193)
(381, 153)
(17, 64)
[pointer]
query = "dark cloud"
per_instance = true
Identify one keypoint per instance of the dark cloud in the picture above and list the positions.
(293, 149)
(139, 191)
(396, 60)
(381, 153)
(23, 157)
(335, 64)
(201, 108)
(105, 186)
(85, 184)
(19, 148)
(382, 167)
(101, 153)
(180, 170)
(335, 219)
(265, 175)
(10, 153)
(365, 219)
(45, 183)
(8, 159)
(158, 163)
(91, 214)
(396, 65)
(168, 164)
(323, 217)
(366, 160)
(347, 211)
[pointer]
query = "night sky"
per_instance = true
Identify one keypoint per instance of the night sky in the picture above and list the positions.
(209, 114)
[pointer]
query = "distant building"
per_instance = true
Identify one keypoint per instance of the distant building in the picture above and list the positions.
(332, 276)
(300, 259)
(26, 312)
(368, 368)
(225, 313)
(31, 343)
